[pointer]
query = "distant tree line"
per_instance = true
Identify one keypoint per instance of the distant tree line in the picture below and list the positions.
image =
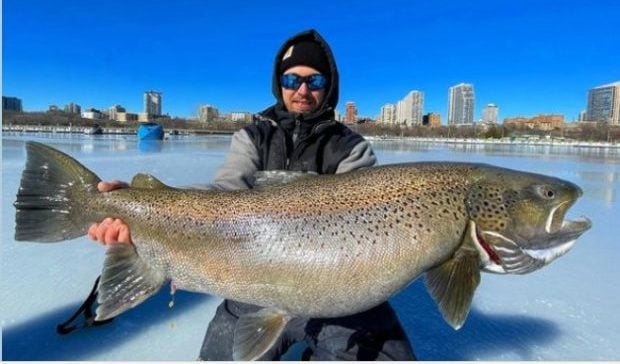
(60, 118)
(580, 131)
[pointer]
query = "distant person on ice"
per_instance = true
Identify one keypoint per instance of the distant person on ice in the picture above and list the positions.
(298, 133)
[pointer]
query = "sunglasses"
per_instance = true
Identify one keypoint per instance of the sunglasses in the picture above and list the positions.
(292, 81)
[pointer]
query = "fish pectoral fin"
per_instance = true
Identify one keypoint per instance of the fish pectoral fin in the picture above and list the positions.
(126, 281)
(258, 332)
(143, 180)
(453, 283)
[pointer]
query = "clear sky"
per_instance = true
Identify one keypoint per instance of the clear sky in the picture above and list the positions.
(526, 56)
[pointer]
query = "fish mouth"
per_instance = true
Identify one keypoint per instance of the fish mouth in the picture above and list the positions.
(556, 215)
(502, 254)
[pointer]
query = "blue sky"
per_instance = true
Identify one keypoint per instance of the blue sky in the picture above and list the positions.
(526, 56)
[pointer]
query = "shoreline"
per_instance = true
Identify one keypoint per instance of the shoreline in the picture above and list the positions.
(503, 141)
(106, 131)
(473, 141)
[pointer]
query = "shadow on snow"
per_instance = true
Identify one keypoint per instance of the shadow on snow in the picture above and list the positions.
(431, 337)
(483, 334)
(37, 339)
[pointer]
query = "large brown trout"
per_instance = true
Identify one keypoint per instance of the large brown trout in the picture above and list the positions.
(319, 246)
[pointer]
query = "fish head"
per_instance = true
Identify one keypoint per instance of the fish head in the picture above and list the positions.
(518, 219)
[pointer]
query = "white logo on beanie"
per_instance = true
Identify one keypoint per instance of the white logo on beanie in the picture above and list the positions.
(289, 52)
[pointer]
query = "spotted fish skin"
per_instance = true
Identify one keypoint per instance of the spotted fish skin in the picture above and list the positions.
(319, 246)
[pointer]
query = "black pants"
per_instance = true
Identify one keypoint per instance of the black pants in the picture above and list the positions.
(372, 335)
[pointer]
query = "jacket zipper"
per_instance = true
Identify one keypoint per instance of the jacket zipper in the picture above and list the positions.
(296, 131)
(295, 136)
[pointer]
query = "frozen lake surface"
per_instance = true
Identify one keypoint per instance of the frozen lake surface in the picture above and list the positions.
(566, 311)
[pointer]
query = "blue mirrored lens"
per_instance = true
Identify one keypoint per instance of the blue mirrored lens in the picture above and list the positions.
(316, 82)
(293, 81)
(290, 81)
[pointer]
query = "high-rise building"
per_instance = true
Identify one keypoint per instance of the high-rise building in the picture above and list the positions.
(490, 114)
(114, 111)
(350, 113)
(399, 112)
(73, 108)
(152, 103)
(208, 113)
(11, 104)
(410, 108)
(604, 104)
(461, 104)
(388, 114)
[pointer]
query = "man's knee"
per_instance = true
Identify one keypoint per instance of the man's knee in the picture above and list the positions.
(338, 343)
(372, 335)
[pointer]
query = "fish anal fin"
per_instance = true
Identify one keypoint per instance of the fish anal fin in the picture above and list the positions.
(453, 283)
(126, 281)
(143, 180)
(258, 332)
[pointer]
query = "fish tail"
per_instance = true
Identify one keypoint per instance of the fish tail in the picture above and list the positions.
(51, 196)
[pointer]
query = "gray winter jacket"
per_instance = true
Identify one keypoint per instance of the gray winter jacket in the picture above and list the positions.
(243, 161)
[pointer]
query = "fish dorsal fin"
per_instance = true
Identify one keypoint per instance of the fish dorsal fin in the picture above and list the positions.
(258, 332)
(453, 283)
(126, 281)
(279, 177)
(142, 180)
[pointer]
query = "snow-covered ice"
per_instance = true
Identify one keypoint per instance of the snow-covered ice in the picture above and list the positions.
(566, 311)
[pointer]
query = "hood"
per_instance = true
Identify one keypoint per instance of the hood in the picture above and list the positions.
(331, 92)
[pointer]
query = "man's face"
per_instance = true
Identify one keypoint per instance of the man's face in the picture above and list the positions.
(302, 100)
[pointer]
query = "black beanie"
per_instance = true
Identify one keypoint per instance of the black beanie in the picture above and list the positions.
(306, 53)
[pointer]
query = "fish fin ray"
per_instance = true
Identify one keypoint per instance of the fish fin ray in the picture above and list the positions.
(258, 332)
(144, 180)
(126, 281)
(453, 283)
(52, 188)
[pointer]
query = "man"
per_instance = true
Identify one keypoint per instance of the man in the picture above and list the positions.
(298, 133)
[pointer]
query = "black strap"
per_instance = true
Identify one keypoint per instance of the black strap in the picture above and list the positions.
(89, 317)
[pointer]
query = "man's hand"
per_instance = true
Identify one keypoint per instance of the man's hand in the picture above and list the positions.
(110, 231)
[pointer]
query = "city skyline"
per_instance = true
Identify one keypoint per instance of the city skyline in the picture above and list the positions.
(517, 56)
(603, 106)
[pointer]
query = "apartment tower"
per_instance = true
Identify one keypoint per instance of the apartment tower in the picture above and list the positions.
(11, 104)
(388, 114)
(604, 104)
(490, 114)
(152, 103)
(461, 104)
(409, 109)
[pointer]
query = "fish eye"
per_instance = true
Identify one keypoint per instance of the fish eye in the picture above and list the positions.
(546, 192)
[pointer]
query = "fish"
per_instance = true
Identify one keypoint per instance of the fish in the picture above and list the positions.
(310, 246)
